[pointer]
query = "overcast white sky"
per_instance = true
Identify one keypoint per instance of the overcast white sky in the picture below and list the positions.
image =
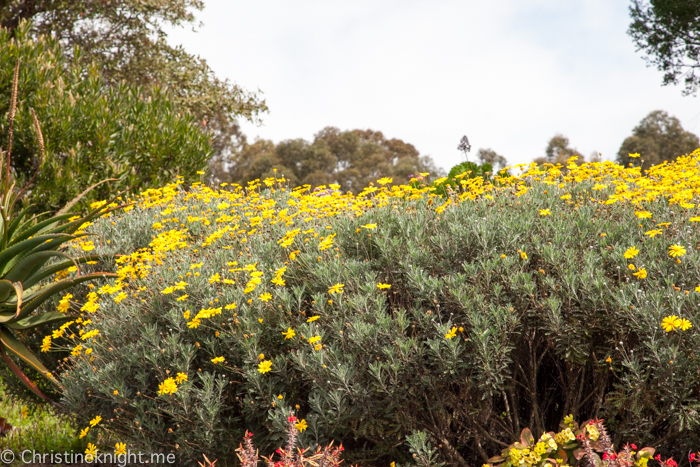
(507, 73)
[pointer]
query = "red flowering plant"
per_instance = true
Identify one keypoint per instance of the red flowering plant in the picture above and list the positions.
(571, 445)
(289, 456)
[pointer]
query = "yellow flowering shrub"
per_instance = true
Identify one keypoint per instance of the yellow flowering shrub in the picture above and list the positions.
(396, 309)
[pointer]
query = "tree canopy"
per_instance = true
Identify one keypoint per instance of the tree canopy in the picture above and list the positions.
(558, 151)
(127, 39)
(352, 159)
(491, 157)
(659, 137)
(668, 31)
(92, 130)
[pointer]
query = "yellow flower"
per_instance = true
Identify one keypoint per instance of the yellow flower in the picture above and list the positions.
(300, 425)
(182, 298)
(523, 255)
(84, 432)
(545, 212)
(451, 333)
(95, 421)
(369, 226)
(312, 319)
(653, 233)
(289, 334)
(280, 397)
(337, 288)
(167, 387)
(642, 214)
(313, 340)
(631, 252)
(180, 378)
(46, 344)
(641, 274)
(119, 449)
(90, 452)
(631, 266)
(115, 392)
(265, 366)
(676, 250)
(670, 323)
(383, 286)
(593, 433)
(327, 243)
(90, 334)
(635, 155)
(566, 196)
(217, 360)
(261, 356)
(685, 325)
(265, 297)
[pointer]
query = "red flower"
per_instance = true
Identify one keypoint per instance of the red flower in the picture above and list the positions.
(634, 446)
(605, 456)
(292, 419)
(691, 457)
(658, 457)
(671, 462)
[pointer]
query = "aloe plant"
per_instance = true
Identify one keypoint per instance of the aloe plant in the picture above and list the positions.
(28, 248)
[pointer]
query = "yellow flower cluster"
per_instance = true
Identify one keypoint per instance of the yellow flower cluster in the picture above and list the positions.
(64, 303)
(673, 322)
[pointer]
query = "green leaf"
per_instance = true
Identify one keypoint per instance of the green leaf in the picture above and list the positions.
(37, 228)
(17, 303)
(36, 299)
(12, 343)
(15, 251)
(37, 277)
(15, 223)
(38, 320)
(30, 263)
(6, 288)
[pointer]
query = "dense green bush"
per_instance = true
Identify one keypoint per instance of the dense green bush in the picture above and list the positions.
(459, 175)
(508, 307)
(92, 131)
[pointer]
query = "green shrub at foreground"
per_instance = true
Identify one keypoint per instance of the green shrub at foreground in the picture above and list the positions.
(508, 307)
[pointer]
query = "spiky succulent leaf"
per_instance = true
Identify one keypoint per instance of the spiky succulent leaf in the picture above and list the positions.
(38, 320)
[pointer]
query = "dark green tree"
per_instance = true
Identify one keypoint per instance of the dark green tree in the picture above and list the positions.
(92, 130)
(668, 31)
(351, 159)
(127, 39)
(659, 137)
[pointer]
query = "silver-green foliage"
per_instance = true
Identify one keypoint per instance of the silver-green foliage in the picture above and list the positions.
(531, 346)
